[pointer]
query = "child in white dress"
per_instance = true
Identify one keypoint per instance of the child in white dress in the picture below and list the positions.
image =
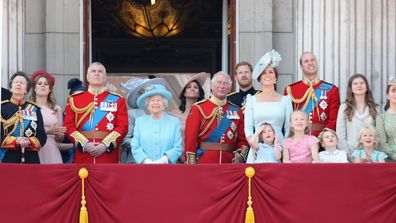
(266, 149)
(329, 140)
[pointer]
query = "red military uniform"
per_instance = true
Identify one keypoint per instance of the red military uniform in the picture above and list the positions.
(319, 100)
(96, 116)
(214, 130)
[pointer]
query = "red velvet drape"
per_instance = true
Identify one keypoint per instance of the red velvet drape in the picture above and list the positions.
(200, 193)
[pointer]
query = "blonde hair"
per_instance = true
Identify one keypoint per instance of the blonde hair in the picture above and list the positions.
(307, 129)
(260, 137)
(368, 129)
(320, 137)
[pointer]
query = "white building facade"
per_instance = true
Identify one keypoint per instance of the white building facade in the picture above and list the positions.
(347, 36)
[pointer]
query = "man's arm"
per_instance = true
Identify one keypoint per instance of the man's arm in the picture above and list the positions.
(334, 105)
(191, 134)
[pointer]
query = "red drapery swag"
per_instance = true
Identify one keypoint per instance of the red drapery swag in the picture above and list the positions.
(200, 193)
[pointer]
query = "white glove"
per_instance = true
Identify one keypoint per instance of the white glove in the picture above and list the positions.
(162, 160)
(148, 161)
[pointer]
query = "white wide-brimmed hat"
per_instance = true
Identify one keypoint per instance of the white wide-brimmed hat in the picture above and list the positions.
(271, 58)
(134, 86)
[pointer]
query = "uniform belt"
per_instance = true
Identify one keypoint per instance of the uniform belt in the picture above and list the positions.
(217, 146)
(95, 134)
(316, 127)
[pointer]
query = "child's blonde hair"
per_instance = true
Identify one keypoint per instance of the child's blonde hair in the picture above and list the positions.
(260, 137)
(307, 129)
(368, 129)
(320, 137)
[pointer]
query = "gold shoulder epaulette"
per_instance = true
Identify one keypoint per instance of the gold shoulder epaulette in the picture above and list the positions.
(31, 102)
(5, 101)
(232, 93)
(200, 102)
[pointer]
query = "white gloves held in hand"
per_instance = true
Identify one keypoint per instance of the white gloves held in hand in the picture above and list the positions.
(162, 160)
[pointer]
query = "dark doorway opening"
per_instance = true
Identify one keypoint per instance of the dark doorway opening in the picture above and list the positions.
(196, 48)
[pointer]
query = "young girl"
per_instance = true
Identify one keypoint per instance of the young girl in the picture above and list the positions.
(358, 111)
(329, 140)
(367, 144)
(266, 149)
(299, 146)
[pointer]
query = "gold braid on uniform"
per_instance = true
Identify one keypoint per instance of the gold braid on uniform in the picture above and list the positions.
(216, 113)
(212, 117)
(309, 94)
(17, 117)
(87, 109)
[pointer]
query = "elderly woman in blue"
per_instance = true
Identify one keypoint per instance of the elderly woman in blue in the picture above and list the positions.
(157, 137)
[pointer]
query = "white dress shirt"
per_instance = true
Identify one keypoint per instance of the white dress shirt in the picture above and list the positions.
(335, 156)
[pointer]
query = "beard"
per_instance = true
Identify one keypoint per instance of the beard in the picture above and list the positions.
(245, 83)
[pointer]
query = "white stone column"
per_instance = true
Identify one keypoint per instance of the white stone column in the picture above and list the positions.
(12, 39)
(348, 37)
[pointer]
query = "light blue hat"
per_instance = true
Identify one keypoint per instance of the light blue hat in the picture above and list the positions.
(271, 58)
(134, 86)
(150, 91)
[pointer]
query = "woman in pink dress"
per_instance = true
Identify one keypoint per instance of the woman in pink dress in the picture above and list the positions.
(42, 95)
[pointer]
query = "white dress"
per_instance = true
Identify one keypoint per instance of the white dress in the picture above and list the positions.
(275, 113)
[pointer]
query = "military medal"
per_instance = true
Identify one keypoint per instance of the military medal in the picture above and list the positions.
(33, 124)
(230, 135)
(108, 106)
(29, 115)
(233, 126)
(323, 116)
(28, 132)
(110, 116)
(110, 126)
(323, 104)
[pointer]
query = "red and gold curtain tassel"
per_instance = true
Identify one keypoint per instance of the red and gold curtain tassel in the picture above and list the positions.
(249, 218)
(83, 173)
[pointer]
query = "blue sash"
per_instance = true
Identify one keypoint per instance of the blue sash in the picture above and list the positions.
(98, 114)
(323, 86)
(216, 134)
(25, 125)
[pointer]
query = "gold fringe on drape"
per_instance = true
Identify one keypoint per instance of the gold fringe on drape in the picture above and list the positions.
(83, 173)
(249, 218)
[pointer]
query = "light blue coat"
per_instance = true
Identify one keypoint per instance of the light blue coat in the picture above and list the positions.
(156, 138)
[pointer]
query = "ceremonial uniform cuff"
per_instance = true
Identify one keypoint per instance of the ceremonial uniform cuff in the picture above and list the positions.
(79, 139)
(9, 143)
(110, 140)
(191, 158)
(35, 144)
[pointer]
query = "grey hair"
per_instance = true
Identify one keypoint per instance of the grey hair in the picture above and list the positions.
(163, 99)
(98, 64)
(216, 75)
